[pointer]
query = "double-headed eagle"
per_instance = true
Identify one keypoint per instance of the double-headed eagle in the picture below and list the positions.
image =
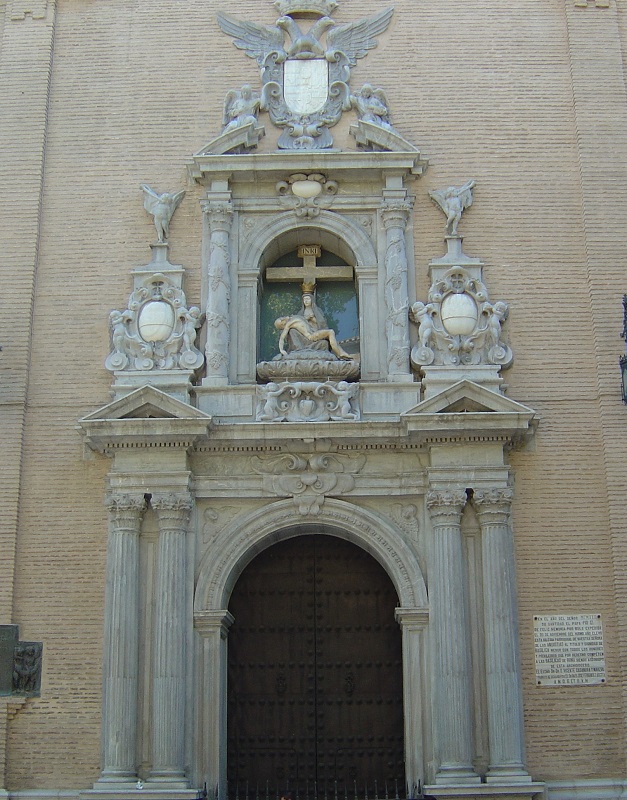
(353, 39)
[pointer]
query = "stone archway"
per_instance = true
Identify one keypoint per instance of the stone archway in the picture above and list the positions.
(237, 545)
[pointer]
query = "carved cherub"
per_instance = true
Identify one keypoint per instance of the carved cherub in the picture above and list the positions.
(372, 106)
(162, 207)
(240, 108)
(421, 315)
(453, 201)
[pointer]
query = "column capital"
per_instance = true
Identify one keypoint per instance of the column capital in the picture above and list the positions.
(415, 619)
(219, 214)
(173, 506)
(125, 510)
(395, 213)
(493, 505)
(445, 507)
(207, 622)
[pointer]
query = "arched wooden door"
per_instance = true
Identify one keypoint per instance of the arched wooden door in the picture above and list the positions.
(314, 673)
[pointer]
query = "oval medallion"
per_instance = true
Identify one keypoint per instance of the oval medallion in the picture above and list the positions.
(156, 321)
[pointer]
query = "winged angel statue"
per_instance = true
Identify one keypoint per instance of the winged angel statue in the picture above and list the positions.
(161, 207)
(453, 202)
(305, 74)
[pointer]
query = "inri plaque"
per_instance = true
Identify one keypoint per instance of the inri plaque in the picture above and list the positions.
(569, 650)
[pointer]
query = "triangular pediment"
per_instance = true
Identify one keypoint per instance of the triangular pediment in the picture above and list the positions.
(146, 403)
(468, 397)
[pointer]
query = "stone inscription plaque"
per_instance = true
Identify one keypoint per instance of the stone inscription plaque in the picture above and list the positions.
(569, 650)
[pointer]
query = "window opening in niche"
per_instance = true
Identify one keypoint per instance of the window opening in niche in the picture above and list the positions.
(335, 297)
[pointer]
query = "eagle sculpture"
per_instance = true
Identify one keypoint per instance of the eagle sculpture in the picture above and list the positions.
(353, 39)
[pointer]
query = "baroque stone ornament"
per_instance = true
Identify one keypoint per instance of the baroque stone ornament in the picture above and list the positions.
(157, 331)
(372, 106)
(308, 401)
(306, 194)
(308, 479)
(27, 668)
(162, 208)
(305, 80)
(453, 202)
(458, 325)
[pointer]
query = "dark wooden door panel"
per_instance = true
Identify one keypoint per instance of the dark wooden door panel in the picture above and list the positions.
(315, 692)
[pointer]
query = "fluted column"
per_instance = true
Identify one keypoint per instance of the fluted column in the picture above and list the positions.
(413, 621)
(214, 626)
(220, 217)
(121, 639)
(170, 634)
(395, 215)
(453, 711)
(505, 719)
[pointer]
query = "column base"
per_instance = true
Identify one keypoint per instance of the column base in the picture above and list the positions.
(483, 791)
(131, 792)
(117, 779)
(507, 774)
(158, 781)
(456, 775)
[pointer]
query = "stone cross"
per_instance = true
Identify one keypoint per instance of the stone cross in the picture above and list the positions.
(310, 271)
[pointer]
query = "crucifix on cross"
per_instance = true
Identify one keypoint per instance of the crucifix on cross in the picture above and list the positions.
(309, 272)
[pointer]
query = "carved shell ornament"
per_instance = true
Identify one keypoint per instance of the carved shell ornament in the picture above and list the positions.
(305, 68)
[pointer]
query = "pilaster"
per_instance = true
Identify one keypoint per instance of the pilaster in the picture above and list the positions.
(505, 719)
(169, 643)
(453, 710)
(413, 623)
(213, 627)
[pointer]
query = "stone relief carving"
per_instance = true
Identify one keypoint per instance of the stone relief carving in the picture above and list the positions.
(214, 519)
(406, 517)
(27, 668)
(307, 195)
(157, 331)
(162, 208)
(308, 348)
(220, 216)
(301, 401)
(395, 216)
(458, 325)
(305, 81)
(308, 479)
(453, 202)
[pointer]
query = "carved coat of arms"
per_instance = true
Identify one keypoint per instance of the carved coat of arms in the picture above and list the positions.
(305, 73)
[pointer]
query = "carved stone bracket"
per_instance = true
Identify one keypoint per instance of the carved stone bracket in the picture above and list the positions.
(308, 402)
(308, 479)
(157, 331)
(458, 325)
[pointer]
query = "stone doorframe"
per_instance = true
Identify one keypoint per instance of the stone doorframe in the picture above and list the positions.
(238, 544)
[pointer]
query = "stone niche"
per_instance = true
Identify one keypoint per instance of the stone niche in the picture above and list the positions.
(276, 223)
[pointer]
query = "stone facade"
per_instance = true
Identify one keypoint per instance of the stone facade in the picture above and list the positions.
(489, 496)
